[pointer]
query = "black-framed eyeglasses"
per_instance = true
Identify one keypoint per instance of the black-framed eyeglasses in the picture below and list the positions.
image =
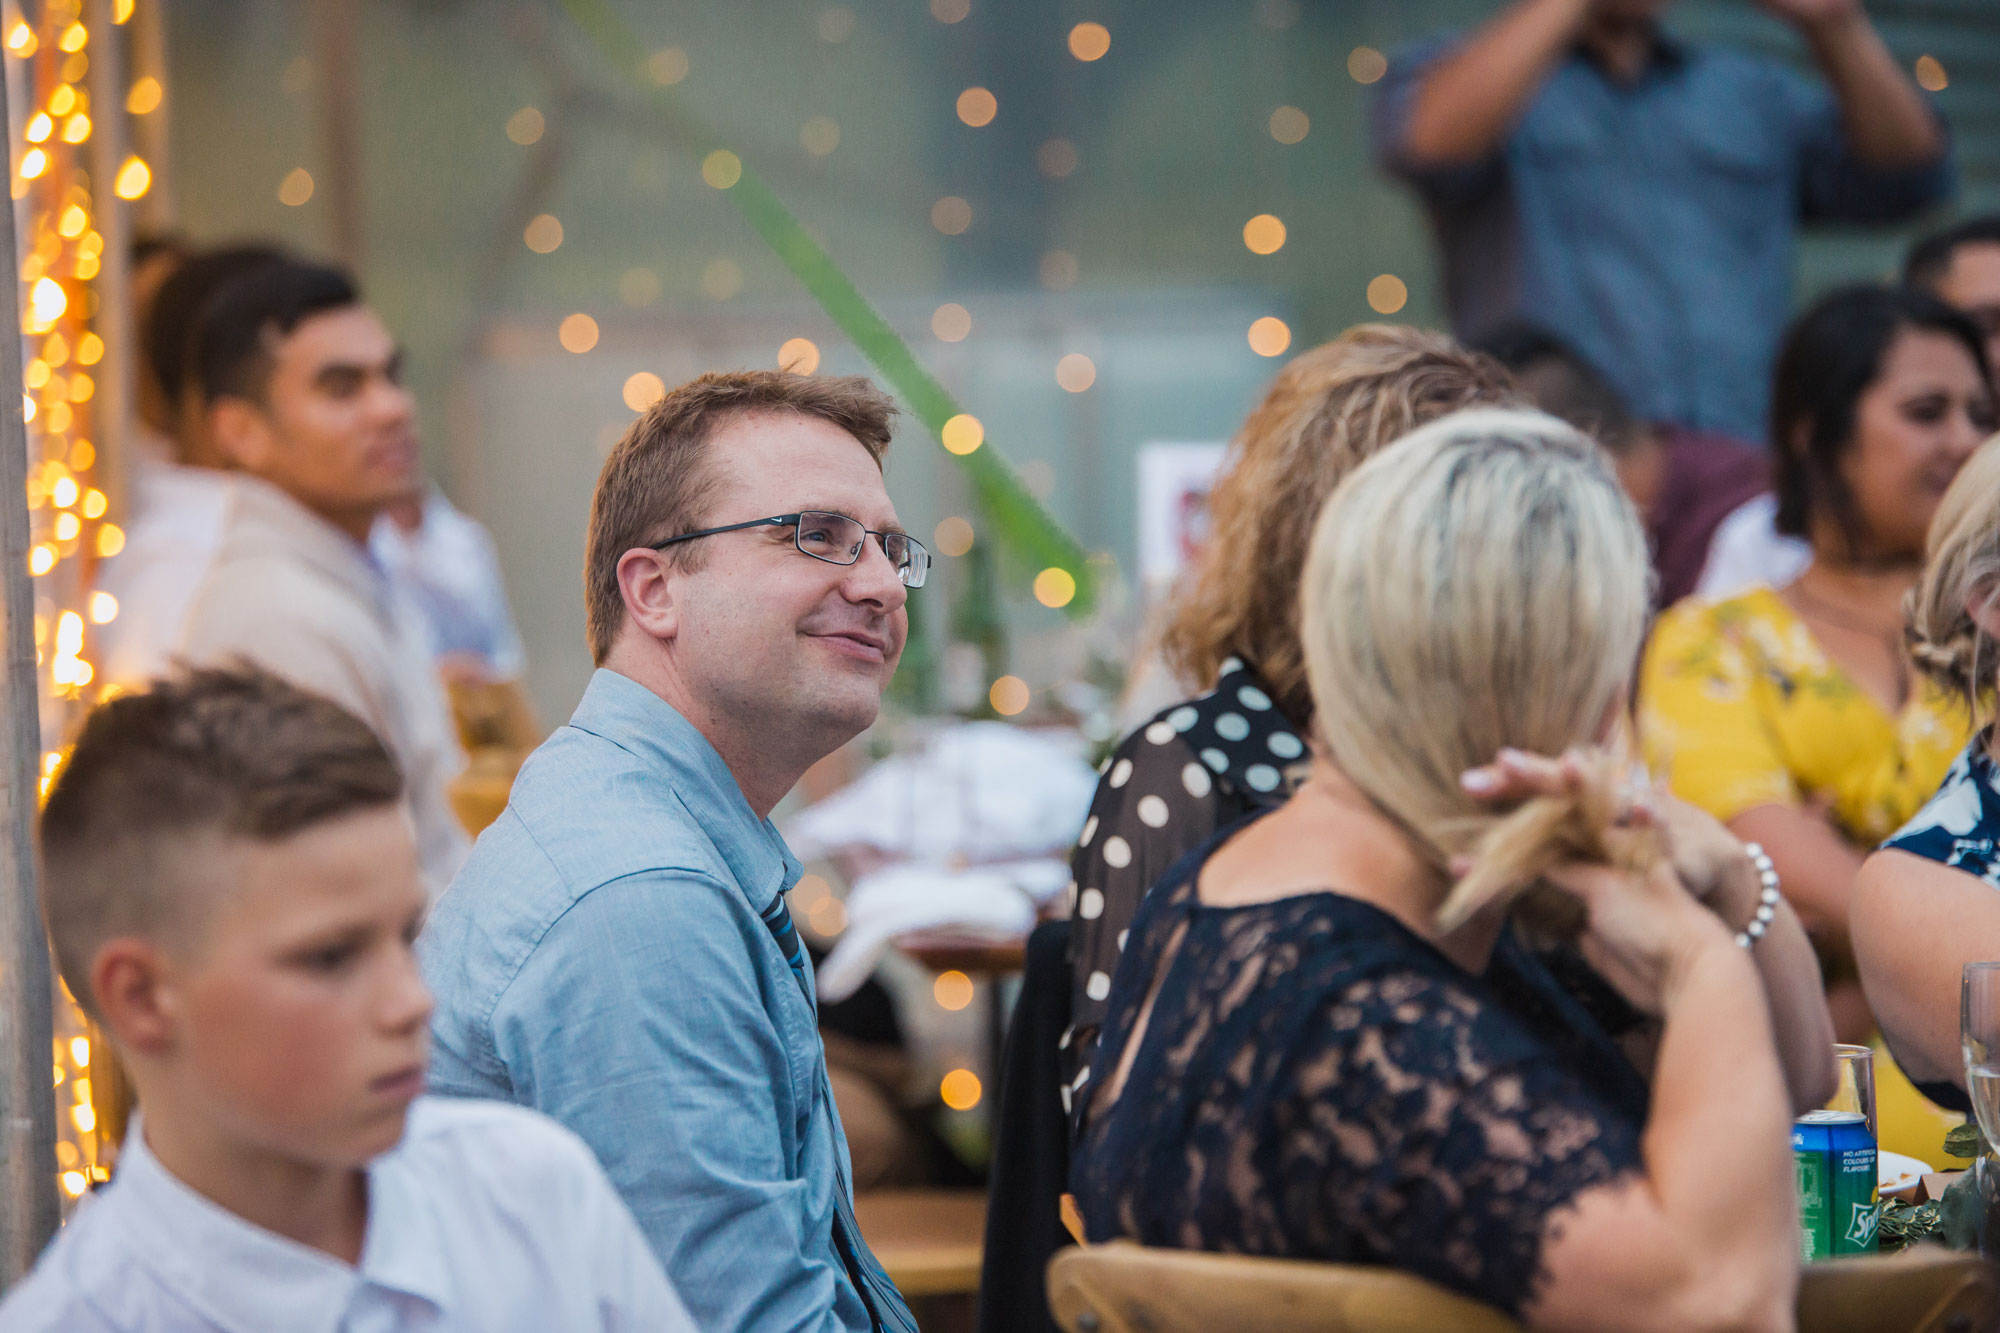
(834, 538)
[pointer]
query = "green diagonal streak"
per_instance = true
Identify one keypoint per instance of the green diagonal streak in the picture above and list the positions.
(1027, 530)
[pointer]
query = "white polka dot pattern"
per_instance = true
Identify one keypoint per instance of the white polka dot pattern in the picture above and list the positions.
(1097, 987)
(1121, 940)
(1090, 905)
(1195, 778)
(1232, 726)
(1152, 812)
(1117, 853)
(1285, 745)
(1253, 698)
(1089, 831)
(1182, 718)
(1121, 774)
(1262, 776)
(1216, 760)
(1160, 733)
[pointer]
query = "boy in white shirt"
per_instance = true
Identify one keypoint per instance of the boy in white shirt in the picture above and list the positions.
(231, 886)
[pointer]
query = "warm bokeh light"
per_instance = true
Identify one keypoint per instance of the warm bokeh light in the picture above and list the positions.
(76, 129)
(74, 38)
(63, 100)
(638, 286)
(1089, 41)
(799, 355)
(809, 891)
(644, 389)
(722, 168)
(21, 39)
(953, 536)
(46, 303)
(68, 527)
(951, 215)
(950, 11)
(828, 916)
(953, 990)
(133, 179)
(1057, 271)
(38, 128)
(1076, 372)
(577, 333)
(103, 610)
(667, 66)
(1008, 696)
(543, 234)
(1931, 76)
(960, 1090)
(525, 126)
(1387, 294)
(34, 162)
(1270, 336)
(1289, 124)
(41, 560)
(65, 492)
(296, 187)
(721, 279)
(951, 322)
(145, 96)
(963, 433)
(820, 135)
(977, 107)
(1055, 587)
(1367, 64)
(1056, 158)
(1264, 234)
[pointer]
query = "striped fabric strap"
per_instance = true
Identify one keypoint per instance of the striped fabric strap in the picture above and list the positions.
(886, 1310)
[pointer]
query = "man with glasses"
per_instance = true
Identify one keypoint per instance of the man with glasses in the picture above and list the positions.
(617, 952)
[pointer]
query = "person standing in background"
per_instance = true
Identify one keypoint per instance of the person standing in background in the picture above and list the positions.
(1640, 196)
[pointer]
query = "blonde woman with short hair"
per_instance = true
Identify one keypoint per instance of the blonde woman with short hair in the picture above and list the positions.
(1303, 1057)
(1926, 903)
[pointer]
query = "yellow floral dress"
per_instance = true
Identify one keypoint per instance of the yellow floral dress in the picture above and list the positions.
(1739, 706)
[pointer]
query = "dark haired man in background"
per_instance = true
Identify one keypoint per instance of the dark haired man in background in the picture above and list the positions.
(304, 398)
(1961, 266)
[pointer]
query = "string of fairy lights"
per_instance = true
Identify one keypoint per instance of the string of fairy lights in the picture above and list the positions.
(62, 252)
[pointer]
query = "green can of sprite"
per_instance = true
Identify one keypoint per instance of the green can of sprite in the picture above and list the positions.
(1838, 1208)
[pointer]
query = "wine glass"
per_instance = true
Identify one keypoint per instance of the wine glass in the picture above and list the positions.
(1979, 1037)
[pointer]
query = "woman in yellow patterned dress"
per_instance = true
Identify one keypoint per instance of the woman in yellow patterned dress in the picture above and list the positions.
(1791, 713)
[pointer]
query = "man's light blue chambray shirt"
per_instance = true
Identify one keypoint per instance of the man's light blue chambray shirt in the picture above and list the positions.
(601, 959)
(1652, 225)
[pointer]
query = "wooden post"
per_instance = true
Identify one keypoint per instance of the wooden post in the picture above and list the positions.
(29, 1212)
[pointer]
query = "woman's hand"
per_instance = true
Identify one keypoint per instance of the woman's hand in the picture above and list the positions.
(1644, 927)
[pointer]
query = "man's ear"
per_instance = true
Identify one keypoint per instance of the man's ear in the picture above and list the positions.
(648, 581)
(132, 985)
(241, 432)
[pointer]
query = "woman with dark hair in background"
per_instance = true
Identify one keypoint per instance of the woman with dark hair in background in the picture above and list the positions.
(1790, 713)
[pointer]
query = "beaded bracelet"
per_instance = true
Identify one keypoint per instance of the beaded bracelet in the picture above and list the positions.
(1767, 897)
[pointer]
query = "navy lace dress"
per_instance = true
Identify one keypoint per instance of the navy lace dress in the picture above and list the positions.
(1317, 1082)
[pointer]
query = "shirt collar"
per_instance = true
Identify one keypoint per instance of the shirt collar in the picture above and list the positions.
(620, 710)
(268, 522)
(1669, 53)
(249, 1280)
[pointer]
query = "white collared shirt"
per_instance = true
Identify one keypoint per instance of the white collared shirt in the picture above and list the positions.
(486, 1218)
(299, 597)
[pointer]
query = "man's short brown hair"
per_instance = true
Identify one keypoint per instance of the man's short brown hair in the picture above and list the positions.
(657, 482)
(203, 757)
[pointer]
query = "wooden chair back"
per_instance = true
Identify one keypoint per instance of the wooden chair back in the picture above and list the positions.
(1127, 1288)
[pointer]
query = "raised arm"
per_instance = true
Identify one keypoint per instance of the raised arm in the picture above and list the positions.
(1888, 123)
(1471, 98)
(639, 1024)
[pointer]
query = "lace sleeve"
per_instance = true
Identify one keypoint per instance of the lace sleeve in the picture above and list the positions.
(1444, 1138)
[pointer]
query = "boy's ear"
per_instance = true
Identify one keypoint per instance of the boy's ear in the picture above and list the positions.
(128, 980)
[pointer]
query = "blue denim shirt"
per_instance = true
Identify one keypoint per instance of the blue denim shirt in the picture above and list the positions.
(601, 959)
(1652, 224)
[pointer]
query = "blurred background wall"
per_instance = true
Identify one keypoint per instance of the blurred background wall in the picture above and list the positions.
(1100, 212)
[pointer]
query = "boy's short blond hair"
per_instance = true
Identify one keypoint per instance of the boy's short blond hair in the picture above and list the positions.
(201, 758)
